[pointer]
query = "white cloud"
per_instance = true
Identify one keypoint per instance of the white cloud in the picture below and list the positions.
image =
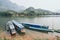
(44, 4)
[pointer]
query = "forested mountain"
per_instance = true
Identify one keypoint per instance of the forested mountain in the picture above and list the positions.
(8, 5)
(34, 11)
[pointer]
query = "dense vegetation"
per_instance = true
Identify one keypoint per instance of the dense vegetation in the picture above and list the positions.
(28, 12)
(8, 13)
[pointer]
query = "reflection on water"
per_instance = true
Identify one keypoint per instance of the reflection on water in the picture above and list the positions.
(48, 21)
(53, 22)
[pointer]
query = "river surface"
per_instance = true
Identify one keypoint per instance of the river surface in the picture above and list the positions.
(52, 22)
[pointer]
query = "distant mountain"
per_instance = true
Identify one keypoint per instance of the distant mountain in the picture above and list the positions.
(30, 9)
(57, 11)
(8, 5)
(38, 11)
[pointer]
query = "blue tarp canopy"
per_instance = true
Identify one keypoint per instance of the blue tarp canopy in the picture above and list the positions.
(18, 24)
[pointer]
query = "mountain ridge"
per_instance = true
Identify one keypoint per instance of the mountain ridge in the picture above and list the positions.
(8, 5)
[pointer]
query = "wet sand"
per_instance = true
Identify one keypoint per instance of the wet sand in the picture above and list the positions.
(30, 35)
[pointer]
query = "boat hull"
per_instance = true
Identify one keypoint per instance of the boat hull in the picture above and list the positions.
(37, 27)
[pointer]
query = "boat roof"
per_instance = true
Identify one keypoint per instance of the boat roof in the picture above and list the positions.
(35, 24)
(10, 25)
(17, 23)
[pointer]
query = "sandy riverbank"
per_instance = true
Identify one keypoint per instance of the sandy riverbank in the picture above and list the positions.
(30, 35)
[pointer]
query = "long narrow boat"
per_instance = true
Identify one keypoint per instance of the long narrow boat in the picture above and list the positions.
(19, 27)
(37, 27)
(10, 27)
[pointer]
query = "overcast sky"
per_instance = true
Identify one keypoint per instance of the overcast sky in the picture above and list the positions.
(51, 5)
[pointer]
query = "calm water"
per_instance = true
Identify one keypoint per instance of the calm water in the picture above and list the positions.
(52, 22)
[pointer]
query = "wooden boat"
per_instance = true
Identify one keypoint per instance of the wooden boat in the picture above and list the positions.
(37, 27)
(19, 27)
(10, 27)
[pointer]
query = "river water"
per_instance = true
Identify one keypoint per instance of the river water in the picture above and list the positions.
(52, 22)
